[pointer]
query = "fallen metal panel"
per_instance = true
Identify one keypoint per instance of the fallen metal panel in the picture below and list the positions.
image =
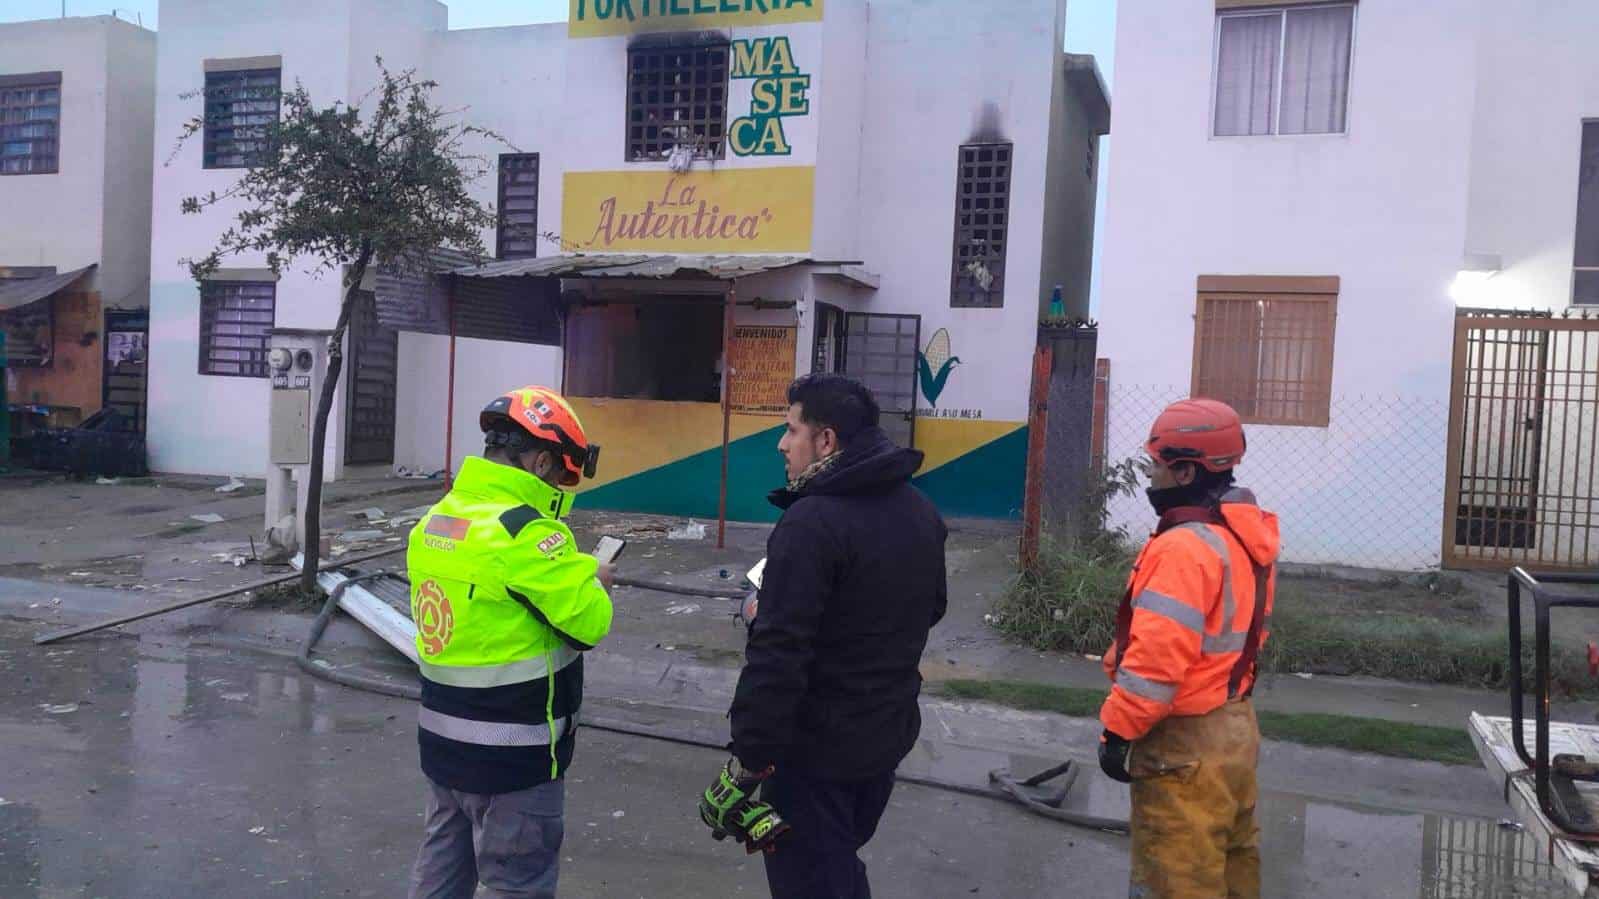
(1577, 863)
(378, 616)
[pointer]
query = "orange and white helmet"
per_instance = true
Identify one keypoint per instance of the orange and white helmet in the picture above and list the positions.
(543, 415)
(1205, 432)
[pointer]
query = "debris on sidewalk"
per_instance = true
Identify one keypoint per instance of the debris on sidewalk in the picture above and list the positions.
(233, 484)
(691, 531)
(687, 608)
(413, 475)
(107, 482)
(408, 516)
(64, 709)
(374, 514)
(362, 536)
(208, 518)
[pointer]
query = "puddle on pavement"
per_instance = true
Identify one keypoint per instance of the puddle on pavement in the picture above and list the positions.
(121, 763)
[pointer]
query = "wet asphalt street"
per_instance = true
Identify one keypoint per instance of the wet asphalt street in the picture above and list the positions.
(137, 766)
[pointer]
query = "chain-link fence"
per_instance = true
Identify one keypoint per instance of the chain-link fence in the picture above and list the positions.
(1367, 490)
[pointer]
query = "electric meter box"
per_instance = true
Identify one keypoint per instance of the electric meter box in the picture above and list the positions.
(297, 363)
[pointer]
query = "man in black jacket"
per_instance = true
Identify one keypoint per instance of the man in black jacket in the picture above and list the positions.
(826, 704)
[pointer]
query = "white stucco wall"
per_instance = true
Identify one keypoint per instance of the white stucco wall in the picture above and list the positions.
(129, 162)
(1537, 80)
(60, 224)
(320, 50)
(916, 118)
(1383, 207)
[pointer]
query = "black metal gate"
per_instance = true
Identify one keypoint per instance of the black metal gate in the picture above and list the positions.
(127, 336)
(374, 356)
(880, 351)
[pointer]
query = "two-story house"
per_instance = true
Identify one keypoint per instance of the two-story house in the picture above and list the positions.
(689, 201)
(76, 112)
(1321, 212)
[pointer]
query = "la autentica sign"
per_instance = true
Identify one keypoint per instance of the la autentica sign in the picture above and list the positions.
(759, 210)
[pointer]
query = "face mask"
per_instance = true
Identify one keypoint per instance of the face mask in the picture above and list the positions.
(1165, 499)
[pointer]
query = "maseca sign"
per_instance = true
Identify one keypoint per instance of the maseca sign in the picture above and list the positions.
(601, 18)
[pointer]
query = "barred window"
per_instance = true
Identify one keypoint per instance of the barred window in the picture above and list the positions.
(676, 96)
(236, 320)
(517, 233)
(1264, 345)
(241, 111)
(982, 217)
(30, 123)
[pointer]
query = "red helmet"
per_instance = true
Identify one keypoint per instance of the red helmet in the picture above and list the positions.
(544, 415)
(1206, 432)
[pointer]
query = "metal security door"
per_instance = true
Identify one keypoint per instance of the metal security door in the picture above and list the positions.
(1523, 442)
(374, 354)
(880, 351)
(127, 337)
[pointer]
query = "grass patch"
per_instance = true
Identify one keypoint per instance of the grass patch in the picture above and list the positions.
(1373, 735)
(1399, 629)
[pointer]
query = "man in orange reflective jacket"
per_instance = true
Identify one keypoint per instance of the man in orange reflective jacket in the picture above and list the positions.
(1179, 725)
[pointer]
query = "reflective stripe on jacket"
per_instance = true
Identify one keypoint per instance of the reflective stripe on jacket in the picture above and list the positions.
(504, 605)
(1192, 595)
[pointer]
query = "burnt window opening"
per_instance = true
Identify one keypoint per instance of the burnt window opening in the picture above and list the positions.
(664, 348)
(30, 123)
(517, 232)
(982, 220)
(236, 319)
(241, 116)
(677, 97)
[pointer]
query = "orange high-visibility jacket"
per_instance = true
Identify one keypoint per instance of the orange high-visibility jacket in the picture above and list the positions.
(1192, 593)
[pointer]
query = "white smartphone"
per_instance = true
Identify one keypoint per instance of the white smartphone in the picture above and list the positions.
(609, 549)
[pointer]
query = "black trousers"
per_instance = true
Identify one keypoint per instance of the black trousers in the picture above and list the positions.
(832, 820)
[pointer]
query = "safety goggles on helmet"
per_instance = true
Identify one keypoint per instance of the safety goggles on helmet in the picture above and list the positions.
(540, 415)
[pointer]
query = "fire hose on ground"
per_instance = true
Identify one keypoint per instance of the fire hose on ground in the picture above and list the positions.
(1032, 793)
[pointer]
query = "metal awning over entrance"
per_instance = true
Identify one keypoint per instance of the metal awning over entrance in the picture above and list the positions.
(628, 265)
(16, 294)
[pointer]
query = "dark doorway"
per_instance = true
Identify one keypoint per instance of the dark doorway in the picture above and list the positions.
(827, 351)
(374, 356)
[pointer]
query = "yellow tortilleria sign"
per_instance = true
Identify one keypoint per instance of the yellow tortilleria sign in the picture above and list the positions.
(601, 18)
(763, 210)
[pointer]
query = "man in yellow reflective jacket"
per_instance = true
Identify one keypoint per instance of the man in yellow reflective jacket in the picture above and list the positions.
(505, 605)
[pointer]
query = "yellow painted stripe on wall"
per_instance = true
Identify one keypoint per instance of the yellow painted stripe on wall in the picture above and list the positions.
(943, 440)
(638, 435)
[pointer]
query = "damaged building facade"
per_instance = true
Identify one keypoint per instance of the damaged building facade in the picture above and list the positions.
(688, 202)
(76, 110)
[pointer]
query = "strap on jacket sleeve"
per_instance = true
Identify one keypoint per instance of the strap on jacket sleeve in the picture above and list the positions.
(1167, 634)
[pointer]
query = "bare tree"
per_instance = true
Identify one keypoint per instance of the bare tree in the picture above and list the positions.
(351, 188)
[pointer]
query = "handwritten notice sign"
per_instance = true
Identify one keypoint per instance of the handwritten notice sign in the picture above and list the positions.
(763, 367)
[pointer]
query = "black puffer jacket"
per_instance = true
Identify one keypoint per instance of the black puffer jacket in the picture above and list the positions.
(854, 580)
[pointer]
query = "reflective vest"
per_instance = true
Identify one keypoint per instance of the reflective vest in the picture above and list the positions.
(505, 605)
(1184, 623)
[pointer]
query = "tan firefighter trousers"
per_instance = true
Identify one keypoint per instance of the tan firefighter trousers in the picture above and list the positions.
(1193, 822)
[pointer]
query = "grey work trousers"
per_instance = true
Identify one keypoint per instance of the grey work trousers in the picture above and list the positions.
(509, 841)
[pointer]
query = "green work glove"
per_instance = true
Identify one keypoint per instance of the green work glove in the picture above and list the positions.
(727, 808)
